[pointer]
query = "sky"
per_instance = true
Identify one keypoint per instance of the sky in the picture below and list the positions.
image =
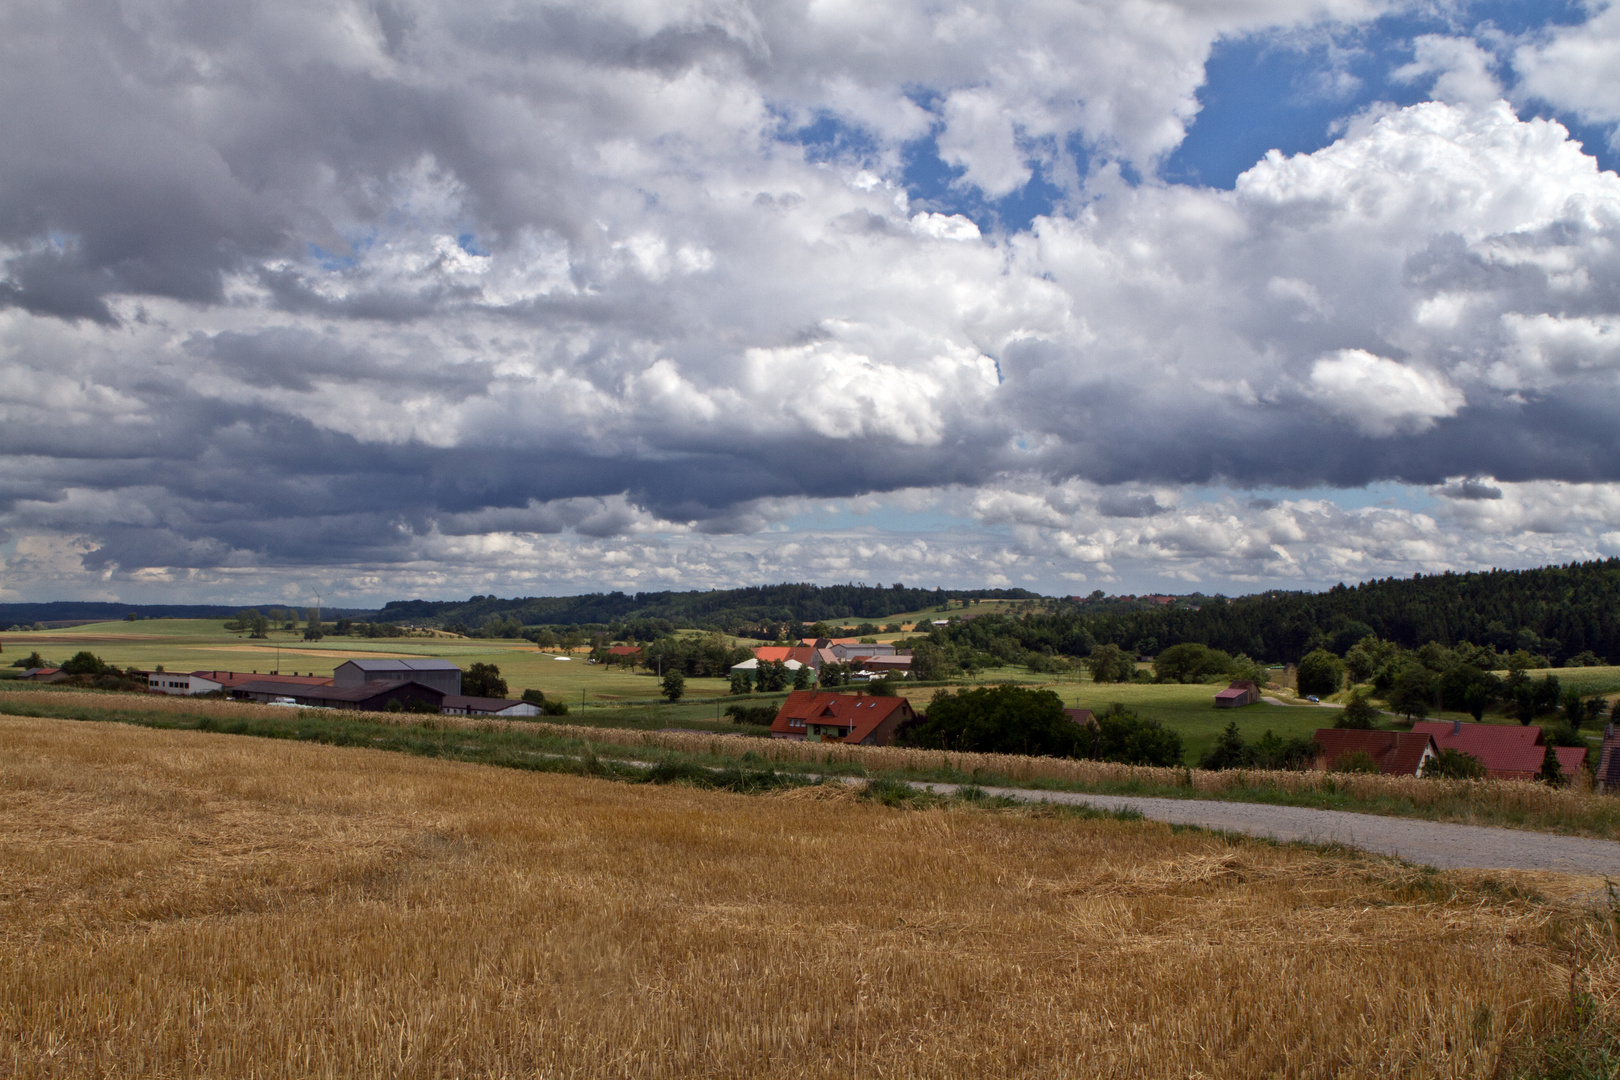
(408, 298)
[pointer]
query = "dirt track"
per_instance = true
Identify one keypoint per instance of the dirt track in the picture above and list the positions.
(1432, 843)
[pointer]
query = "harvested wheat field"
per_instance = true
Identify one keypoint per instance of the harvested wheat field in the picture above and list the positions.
(187, 904)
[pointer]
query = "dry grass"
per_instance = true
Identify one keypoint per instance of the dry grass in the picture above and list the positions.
(185, 904)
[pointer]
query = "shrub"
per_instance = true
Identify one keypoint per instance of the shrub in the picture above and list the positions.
(554, 708)
(1358, 761)
(1454, 765)
(1552, 773)
(534, 697)
(751, 714)
(883, 687)
(1229, 751)
(32, 660)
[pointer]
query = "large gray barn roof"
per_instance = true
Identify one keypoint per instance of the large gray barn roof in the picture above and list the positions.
(424, 664)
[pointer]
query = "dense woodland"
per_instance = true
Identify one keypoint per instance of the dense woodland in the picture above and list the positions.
(731, 610)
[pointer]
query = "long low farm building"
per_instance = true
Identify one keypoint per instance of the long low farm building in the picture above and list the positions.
(367, 697)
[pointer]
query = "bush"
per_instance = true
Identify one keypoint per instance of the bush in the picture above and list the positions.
(554, 708)
(1454, 765)
(534, 697)
(32, 660)
(752, 714)
(1358, 761)
(1123, 736)
(1318, 673)
(883, 687)
(1229, 751)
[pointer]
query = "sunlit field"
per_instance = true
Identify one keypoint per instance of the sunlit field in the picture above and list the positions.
(204, 644)
(181, 903)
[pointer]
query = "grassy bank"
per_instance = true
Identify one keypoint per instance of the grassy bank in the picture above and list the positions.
(562, 746)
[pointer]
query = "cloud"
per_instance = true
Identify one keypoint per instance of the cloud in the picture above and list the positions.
(389, 287)
(1379, 396)
(1573, 66)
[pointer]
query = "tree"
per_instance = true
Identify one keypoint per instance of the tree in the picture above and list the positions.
(1121, 735)
(31, 661)
(1109, 664)
(1574, 708)
(741, 683)
(312, 626)
(1318, 673)
(1190, 662)
(1358, 714)
(1552, 773)
(801, 677)
(84, 663)
(997, 720)
(929, 662)
(534, 697)
(674, 685)
(259, 625)
(483, 680)
(1229, 751)
(1412, 693)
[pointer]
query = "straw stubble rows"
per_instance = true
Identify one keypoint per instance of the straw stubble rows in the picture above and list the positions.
(180, 903)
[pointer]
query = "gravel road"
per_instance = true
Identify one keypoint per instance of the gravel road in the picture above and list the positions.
(1433, 843)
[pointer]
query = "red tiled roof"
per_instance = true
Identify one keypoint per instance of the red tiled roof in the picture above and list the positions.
(802, 653)
(625, 650)
(1398, 753)
(1508, 751)
(1083, 717)
(859, 714)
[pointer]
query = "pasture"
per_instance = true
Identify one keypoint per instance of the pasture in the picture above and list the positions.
(182, 903)
(204, 644)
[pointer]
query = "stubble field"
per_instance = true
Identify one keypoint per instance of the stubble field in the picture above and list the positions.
(189, 904)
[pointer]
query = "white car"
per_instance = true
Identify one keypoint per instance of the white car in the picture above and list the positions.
(284, 702)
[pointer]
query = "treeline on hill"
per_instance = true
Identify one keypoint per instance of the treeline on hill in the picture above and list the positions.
(730, 610)
(1560, 612)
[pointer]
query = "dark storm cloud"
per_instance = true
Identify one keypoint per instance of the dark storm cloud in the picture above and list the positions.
(288, 285)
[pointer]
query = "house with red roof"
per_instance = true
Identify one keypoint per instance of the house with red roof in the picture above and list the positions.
(1508, 751)
(799, 654)
(820, 716)
(625, 650)
(1396, 753)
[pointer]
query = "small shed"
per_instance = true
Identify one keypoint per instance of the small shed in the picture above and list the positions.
(1240, 693)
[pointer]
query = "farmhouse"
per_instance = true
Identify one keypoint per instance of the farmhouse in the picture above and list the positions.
(442, 675)
(181, 683)
(42, 674)
(796, 656)
(1608, 770)
(1508, 751)
(811, 716)
(1241, 693)
(374, 696)
(1396, 753)
(456, 705)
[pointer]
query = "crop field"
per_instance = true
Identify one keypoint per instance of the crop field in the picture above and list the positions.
(182, 903)
(204, 644)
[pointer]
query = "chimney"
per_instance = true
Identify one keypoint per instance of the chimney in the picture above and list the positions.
(1456, 727)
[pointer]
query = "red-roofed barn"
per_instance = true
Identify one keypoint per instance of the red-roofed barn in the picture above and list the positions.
(1508, 751)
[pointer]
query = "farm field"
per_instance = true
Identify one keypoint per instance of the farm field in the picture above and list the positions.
(199, 904)
(204, 644)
